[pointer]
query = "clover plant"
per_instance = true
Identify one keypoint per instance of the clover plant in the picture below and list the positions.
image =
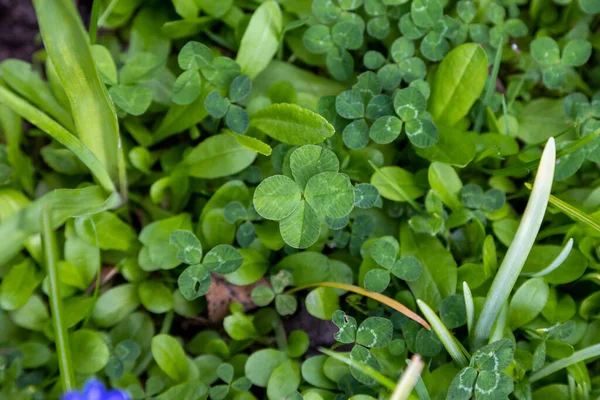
(302, 199)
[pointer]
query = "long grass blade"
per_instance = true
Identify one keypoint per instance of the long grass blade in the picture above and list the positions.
(58, 133)
(65, 203)
(499, 325)
(520, 247)
(375, 296)
(409, 380)
(445, 336)
(68, 47)
(578, 356)
(470, 307)
(63, 350)
(557, 262)
(365, 369)
(572, 212)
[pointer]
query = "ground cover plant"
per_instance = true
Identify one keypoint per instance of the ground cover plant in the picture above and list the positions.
(303, 199)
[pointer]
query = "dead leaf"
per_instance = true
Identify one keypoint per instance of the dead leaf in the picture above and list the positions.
(222, 293)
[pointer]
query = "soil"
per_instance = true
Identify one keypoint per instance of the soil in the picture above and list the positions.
(19, 30)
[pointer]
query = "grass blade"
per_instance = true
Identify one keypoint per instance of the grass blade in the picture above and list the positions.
(375, 296)
(65, 203)
(520, 247)
(470, 307)
(499, 325)
(557, 262)
(69, 50)
(447, 339)
(409, 379)
(572, 212)
(63, 350)
(578, 356)
(58, 133)
(489, 90)
(365, 369)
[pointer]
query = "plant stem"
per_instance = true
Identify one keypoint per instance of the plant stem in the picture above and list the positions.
(578, 356)
(375, 296)
(63, 349)
(520, 247)
(409, 379)
(93, 31)
(164, 329)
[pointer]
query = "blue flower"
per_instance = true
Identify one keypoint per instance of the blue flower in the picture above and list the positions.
(95, 390)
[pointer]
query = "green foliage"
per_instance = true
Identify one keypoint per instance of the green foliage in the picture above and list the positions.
(226, 167)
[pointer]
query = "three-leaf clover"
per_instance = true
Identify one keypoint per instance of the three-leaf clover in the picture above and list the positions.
(504, 28)
(410, 105)
(485, 377)
(434, 222)
(475, 199)
(225, 372)
(195, 280)
(373, 332)
(285, 304)
(384, 251)
(236, 117)
(235, 212)
(555, 66)
(317, 191)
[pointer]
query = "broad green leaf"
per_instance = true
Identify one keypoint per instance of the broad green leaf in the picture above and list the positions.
(322, 302)
(350, 104)
(33, 315)
(462, 385)
(302, 227)
(261, 364)
(545, 50)
(492, 385)
(133, 99)
(194, 282)
(19, 284)
(454, 147)
(237, 119)
(252, 143)
(385, 251)
(541, 119)
(310, 160)
(187, 88)
(330, 194)
(458, 82)
(284, 380)
(223, 259)
(376, 280)
(155, 297)
(397, 184)
(439, 274)
(140, 67)
(292, 124)
(407, 268)
(170, 357)
(69, 50)
(446, 183)
(194, 56)
(115, 304)
(528, 301)
(184, 390)
(276, 197)
(312, 372)
(217, 156)
(90, 352)
(261, 38)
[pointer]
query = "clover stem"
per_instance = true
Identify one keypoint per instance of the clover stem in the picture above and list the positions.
(375, 296)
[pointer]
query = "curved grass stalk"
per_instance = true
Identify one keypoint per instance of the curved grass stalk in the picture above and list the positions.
(409, 380)
(375, 296)
(578, 356)
(445, 336)
(365, 369)
(58, 133)
(572, 212)
(520, 247)
(63, 350)
(557, 262)
(499, 325)
(470, 307)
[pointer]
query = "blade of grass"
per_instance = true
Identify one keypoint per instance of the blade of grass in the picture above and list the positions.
(63, 350)
(448, 340)
(572, 212)
(470, 307)
(578, 356)
(58, 133)
(531, 165)
(93, 30)
(409, 380)
(68, 47)
(557, 262)
(520, 247)
(489, 90)
(499, 325)
(65, 203)
(375, 296)
(420, 387)
(365, 369)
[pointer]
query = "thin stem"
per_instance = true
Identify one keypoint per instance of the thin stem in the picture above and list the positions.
(93, 31)
(578, 356)
(164, 329)
(375, 296)
(557, 262)
(63, 350)
(520, 247)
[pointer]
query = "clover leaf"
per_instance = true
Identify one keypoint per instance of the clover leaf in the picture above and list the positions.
(546, 52)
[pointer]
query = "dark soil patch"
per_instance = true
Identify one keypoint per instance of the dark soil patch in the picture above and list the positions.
(19, 29)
